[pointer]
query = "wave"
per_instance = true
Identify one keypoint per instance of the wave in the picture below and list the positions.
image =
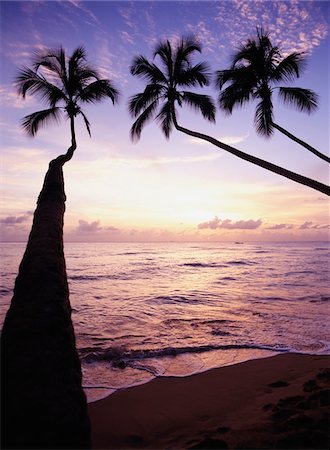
(5, 291)
(121, 276)
(120, 357)
(241, 262)
(172, 299)
(300, 272)
(321, 299)
(206, 265)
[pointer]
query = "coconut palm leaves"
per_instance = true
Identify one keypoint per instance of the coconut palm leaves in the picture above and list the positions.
(257, 69)
(163, 92)
(63, 84)
(166, 86)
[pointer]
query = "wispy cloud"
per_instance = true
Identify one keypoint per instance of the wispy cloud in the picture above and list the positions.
(15, 220)
(88, 16)
(230, 140)
(10, 98)
(92, 227)
(85, 226)
(148, 162)
(204, 35)
(280, 226)
(309, 225)
(229, 224)
(296, 26)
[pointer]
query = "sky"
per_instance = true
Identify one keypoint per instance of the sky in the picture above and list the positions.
(181, 189)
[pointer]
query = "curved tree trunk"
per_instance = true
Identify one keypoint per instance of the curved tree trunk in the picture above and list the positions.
(299, 141)
(259, 162)
(43, 404)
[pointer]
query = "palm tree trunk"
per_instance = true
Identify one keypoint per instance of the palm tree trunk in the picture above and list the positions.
(43, 404)
(299, 141)
(259, 162)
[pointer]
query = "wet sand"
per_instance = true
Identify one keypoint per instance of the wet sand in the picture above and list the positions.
(276, 402)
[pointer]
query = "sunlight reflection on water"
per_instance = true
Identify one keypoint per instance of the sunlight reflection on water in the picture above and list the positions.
(145, 310)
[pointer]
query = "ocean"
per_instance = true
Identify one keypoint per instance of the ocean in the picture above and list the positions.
(144, 310)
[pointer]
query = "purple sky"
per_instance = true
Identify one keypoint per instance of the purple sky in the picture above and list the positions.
(181, 189)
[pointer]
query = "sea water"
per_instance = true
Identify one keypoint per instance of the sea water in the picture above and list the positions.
(144, 310)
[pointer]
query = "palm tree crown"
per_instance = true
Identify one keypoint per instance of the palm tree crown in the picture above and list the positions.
(62, 83)
(257, 69)
(165, 83)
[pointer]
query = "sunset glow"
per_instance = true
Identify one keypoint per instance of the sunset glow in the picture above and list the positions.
(158, 190)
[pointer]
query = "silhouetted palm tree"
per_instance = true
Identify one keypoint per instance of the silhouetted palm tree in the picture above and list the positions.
(69, 83)
(165, 87)
(43, 403)
(256, 71)
(159, 99)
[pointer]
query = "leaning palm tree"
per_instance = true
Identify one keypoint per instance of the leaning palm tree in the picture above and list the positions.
(43, 403)
(256, 71)
(166, 89)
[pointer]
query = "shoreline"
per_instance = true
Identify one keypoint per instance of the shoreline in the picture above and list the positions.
(229, 357)
(279, 401)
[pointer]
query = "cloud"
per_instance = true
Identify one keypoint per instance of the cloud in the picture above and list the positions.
(86, 227)
(295, 26)
(280, 226)
(308, 225)
(149, 162)
(204, 35)
(90, 17)
(228, 224)
(126, 37)
(14, 220)
(93, 228)
(15, 228)
(111, 228)
(229, 140)
(9, 97)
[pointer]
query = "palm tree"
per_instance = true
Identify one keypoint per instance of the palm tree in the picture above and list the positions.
(162, 94)
(163, 88)
(257, 69)
(74, 83)
(43, 403)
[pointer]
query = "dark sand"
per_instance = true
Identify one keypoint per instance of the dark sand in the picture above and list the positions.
(276, 402)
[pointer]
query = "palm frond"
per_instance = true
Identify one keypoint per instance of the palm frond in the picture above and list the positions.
(303, 99)
(140, 101)
(34, 121)
(28, 81)
(77, 56)
(289, 68)
(235, 95)
(146, 70)
(245, 53)
(242, 76)
(88, 125)
(201, 103)
(79, 72)
(195, 75)
(54, 60)
(164, 51)
(187, 46)
(98, 90)
(223, 76)
(165, 118)
(263, 118)
(142, 120)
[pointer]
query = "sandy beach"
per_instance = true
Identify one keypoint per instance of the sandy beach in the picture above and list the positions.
(276, 402)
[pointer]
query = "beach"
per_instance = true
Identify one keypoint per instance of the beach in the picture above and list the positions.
(275, 402)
